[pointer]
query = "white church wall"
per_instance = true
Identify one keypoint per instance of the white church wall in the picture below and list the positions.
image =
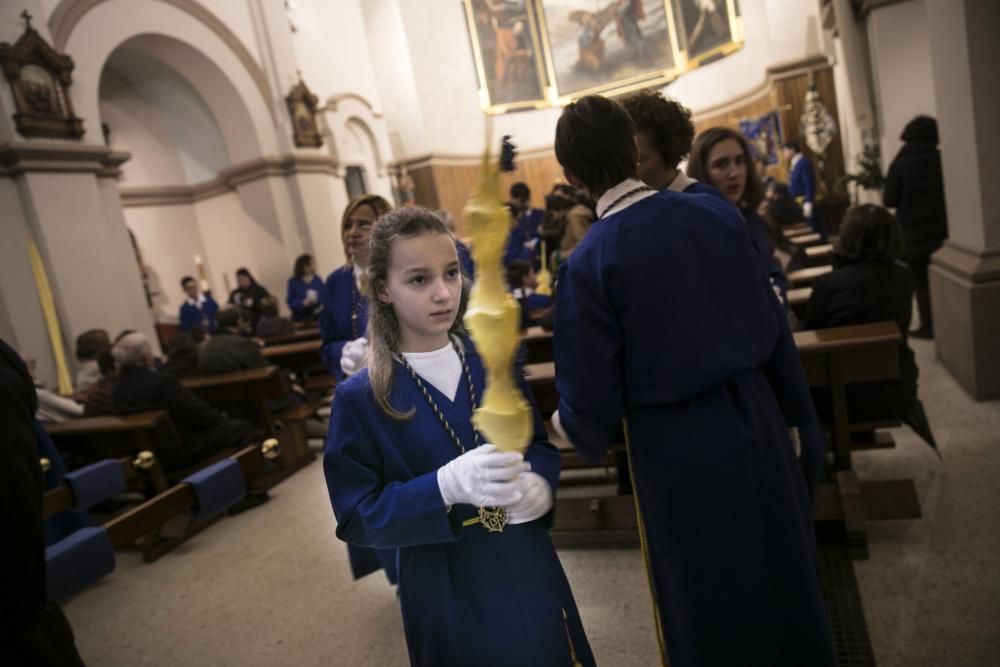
(901, 64)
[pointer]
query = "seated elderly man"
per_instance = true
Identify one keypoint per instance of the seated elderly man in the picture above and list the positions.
(203, 429)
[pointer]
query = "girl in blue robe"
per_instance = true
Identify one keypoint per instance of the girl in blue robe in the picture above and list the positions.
(305, 290)
(468, 596)
(666, 321)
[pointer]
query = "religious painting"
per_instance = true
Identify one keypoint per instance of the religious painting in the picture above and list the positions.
(763, 133)
(504, 39)
(39, 78)
(607, 46)
(709, 29)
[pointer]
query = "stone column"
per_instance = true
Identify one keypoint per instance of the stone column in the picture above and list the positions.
(965, 273)
(54, 193)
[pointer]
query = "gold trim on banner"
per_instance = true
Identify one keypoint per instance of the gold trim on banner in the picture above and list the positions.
(51, 318)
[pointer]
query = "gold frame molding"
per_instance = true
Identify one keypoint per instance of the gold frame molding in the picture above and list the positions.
(485, 101)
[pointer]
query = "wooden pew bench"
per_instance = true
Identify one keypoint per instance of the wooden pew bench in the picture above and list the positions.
(303, 359)
(798, 298)
(537, 345)
(805, 277)
(820, 255)
(299, 336)
(254, 387)
(807, 240)
(796, 229)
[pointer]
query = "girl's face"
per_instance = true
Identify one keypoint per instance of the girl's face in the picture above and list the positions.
(727, 168)
(424, 286)
(243, 281)
(309, 268)
(357, 230)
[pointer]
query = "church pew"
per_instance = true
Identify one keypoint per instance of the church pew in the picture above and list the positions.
(160, 523)
(300, 335)
(805, 277)
(93, 438)
(796, 229)
(806, 240)
(832, 357)
(798, 298)
(537, 345)
(301, 358)
(820, 255)
(255, 386)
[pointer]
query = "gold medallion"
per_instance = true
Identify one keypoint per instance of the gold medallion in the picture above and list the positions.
(493, 519)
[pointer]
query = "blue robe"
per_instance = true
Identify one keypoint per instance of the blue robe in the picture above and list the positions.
(468, 597)
(529, 221)
(296, 295)
(193, 316)
(758, 234)
(340, 297)
(665, 319)
(802, 183)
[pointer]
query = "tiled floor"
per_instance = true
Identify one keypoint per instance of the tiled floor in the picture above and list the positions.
(272, 587)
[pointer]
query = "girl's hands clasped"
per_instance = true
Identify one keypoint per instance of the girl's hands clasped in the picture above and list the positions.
(482, 477)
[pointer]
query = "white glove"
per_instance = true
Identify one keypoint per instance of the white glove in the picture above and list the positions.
(536, 498)
(353, 356)
(311, 297)
(807, 209)
(557, 425)
(482, 477)
(793, 433)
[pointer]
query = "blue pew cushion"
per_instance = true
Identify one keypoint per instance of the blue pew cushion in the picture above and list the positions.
(216, 487)
(75, 562)
(96, 483)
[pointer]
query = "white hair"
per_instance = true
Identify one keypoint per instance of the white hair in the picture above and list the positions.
(132, 350)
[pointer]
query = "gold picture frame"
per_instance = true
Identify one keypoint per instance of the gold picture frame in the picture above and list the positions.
(633, 69)
(507, 55)
(728, 30)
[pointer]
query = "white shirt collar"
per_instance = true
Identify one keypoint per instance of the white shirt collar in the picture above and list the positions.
(199, 303)
(358, 273)
(611, 196)
(681, 182)
(795, 160)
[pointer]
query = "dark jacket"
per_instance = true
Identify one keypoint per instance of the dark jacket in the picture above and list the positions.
(861, 294)
(35, 632)
(225, 352)
(249, 302)
(139, 389)
(915, 187)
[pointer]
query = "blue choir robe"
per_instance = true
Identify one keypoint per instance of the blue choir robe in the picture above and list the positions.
(802, 183)
(468, 597)
(296, 296)
(529, 222)
(199, 314)
(339, 297)
(665, 319)
(758, 234)
(465, 259)
(519, 246)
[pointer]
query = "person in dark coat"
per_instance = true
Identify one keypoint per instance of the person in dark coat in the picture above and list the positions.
(915, 187)
(868, 285)
(271, 324)
(182, 356)
(666, 323)
(204, 430)
(36, 631)
(781, 206)
(227, 350)
(247, 297)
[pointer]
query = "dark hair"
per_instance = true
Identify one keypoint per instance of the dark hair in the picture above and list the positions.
(125, 332)
(90, 344)
(228, 318)
(869, 233)
(793, 145)
(383, 327)
(301, 262)
(516, 272)
(268, 306)
(666, 122)
(564, 189)
(698, 167)
(243, 271)
(921, 130)
(520, 191)
(595, 142)
(185, 280)
(106, 362)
